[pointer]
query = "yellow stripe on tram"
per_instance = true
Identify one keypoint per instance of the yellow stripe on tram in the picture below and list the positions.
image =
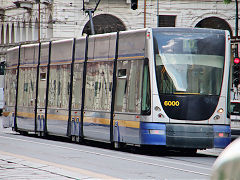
(103, 121)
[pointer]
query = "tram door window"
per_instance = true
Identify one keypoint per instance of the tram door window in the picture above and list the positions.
(146, 93)
(78, 74)
(129, 86)
(77, 86)
(59, 79)
(43, 75)
(42, 86)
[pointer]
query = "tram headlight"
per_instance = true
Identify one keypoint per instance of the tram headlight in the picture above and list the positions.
(157, 131)
(156, 108)
(220, 110)
(216, 117)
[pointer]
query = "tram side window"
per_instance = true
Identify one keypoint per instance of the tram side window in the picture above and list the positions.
(53, 86)
(66, 82)
(129, 83)
(29, 87)
(59, 86)
(10, 87)
(21, 87)
(26, 89)
(146, 93)
(10, 77)
(77, 86)
(98, 86)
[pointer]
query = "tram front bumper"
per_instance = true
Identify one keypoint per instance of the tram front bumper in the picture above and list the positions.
(189, 136)
(185, 135)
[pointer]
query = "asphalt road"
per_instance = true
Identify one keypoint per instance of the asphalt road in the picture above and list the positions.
(76, 161)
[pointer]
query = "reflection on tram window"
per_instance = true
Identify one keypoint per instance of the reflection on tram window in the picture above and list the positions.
(129, 86)
(188, 65)
(98, 81)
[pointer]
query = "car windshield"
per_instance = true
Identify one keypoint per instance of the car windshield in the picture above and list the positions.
(189, 63)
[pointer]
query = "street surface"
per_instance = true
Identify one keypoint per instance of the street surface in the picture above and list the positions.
(30, 157)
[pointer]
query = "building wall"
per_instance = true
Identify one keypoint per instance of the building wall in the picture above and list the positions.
(66, 19)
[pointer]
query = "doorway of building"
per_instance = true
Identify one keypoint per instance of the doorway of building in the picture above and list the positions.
(214, 23)
(104, 23)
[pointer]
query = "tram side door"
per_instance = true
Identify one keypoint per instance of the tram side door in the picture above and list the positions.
(40, 119)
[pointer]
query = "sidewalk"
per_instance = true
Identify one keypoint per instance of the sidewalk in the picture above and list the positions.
(17, 167)
(12, 168)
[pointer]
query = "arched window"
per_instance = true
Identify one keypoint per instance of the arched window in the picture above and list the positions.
(214, 23)
(104, 23)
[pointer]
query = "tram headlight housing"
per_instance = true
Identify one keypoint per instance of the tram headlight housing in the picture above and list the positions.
(220, 110)
(156, 108)
(216, 117)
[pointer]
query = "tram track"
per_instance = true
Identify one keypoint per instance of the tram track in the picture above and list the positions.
(164, 162)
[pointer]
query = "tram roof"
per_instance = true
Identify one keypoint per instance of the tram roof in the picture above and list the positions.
(162, 29)
(189, 30)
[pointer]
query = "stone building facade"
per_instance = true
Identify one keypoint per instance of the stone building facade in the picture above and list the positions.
(19, 19)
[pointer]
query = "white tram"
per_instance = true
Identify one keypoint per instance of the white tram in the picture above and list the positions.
(2, 71)
(160, 86)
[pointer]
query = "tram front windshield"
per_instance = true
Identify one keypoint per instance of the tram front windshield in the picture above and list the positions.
(189, 63)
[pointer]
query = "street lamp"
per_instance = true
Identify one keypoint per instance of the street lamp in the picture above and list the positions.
(90, 13)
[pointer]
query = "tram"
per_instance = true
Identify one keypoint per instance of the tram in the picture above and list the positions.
(155, 86)
(2, 70)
